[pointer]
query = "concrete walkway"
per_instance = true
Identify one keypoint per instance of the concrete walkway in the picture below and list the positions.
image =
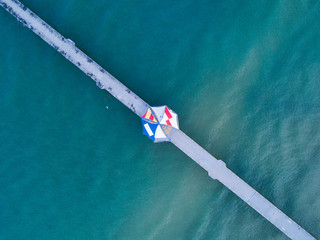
(216, 168)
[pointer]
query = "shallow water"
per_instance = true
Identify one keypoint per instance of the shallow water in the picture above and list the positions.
(244, 79)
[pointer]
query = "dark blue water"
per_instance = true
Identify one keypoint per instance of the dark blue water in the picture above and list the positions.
(244, 78)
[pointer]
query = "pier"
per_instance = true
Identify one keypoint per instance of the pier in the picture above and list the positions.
(216, 169)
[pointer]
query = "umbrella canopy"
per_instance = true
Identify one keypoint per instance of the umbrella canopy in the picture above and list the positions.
(157, 122)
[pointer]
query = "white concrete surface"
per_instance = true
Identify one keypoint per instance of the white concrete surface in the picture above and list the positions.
(68, 49)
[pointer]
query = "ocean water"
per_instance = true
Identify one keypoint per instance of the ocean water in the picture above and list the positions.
(244, 77)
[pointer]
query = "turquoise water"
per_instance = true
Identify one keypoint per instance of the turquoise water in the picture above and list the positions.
(243, 77)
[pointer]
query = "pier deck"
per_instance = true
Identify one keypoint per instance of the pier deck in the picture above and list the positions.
(216, 168)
